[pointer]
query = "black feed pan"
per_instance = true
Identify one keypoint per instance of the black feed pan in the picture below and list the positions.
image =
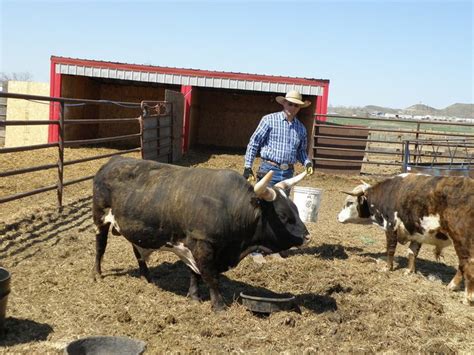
(105, 345)
(269, 302)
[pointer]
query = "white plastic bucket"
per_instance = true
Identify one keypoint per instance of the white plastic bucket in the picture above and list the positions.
(308, 200)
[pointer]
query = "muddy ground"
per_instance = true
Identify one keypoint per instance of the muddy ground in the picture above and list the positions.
(347, 303)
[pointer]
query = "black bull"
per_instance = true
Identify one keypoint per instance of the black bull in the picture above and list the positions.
(210, 218)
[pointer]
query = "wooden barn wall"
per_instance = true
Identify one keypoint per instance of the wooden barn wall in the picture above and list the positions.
(100, 89)
(225, 118)
(228, 118)
(80, 87)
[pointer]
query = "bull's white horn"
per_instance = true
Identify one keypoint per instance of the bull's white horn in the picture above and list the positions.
(288, 183)
(261, 189)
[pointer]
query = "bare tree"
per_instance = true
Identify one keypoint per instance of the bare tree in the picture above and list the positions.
(22, 76)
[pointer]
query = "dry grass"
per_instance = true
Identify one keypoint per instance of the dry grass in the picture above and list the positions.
(347, 303)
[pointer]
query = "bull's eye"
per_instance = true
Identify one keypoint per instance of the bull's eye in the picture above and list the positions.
(349, 204)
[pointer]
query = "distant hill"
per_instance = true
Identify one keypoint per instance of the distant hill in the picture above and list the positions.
(455, 110)
(460, 110)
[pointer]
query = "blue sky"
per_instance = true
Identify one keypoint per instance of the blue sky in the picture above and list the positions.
(384, 53)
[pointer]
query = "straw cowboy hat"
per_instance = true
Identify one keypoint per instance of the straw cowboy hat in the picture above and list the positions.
(295, 97)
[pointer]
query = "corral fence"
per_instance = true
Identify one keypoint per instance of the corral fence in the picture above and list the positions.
(159, 136)
(362, 145)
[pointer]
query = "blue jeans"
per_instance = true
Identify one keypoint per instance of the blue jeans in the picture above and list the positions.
(278, 174)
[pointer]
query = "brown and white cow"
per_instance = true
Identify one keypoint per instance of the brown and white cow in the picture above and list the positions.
(420, 209)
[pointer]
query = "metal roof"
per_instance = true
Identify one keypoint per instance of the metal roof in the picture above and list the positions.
(193, 77)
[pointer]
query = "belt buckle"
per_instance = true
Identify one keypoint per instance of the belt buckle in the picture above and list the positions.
(284, 166)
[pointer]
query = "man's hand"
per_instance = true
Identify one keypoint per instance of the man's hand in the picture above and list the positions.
(309, 168)
(248, 174)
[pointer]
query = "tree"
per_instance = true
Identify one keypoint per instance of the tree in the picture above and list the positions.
(22, 76)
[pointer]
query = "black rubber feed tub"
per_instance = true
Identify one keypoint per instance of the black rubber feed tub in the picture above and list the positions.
(105, 345)
(4, 291)
(268, 302)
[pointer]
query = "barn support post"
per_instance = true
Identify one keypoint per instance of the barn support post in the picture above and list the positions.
(55, 91)
(186, 90)
(61, 154)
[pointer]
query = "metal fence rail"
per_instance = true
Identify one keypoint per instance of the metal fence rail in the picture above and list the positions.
(346, 143)
(62, 143)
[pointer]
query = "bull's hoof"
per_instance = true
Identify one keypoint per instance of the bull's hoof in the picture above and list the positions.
(96, 276)
(146, 278)
(194, 298)
(219, 307)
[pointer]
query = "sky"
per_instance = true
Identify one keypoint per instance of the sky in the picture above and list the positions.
(386, 53)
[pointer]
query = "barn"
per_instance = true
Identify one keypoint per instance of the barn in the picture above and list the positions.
(221, 109)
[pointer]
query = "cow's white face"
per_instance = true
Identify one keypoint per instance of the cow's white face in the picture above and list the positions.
(354, 207)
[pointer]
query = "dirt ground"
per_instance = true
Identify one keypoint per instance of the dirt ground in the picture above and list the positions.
(347, 303)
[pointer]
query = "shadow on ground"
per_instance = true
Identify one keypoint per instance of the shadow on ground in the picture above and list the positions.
(22, 331)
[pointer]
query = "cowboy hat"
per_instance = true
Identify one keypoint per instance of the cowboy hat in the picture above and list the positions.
(295, 97)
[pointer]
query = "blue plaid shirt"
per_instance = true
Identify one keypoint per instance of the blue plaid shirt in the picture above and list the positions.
(278, 140)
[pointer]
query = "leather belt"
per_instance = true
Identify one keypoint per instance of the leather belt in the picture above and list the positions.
(283, 166)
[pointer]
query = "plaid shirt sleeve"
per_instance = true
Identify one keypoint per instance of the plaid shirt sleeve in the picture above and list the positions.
(301, 154)
(257, 141)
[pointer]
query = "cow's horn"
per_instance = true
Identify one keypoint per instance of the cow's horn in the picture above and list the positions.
(288, 183)
(261, 189)
(355, 194)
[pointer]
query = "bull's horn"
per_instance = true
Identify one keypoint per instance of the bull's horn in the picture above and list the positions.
(288, 183)
(261, 189)
(355, 194)
(366, 185)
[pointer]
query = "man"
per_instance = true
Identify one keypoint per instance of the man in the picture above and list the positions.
(281, 140)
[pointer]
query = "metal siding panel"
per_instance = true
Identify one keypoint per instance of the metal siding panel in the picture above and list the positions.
(305, 90)
(178, 80)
